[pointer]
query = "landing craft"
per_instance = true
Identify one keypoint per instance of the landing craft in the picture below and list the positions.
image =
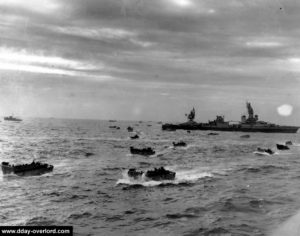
(34, 168)
(247, 124)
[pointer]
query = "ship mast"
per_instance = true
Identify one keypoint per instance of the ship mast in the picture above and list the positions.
(250, 110)
(191, 116)
(251, 118)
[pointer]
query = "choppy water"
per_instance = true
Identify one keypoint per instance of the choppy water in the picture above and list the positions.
(221, 187)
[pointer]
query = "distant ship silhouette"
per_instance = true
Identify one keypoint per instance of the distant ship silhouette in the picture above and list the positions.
(247, 124)
(11, 118)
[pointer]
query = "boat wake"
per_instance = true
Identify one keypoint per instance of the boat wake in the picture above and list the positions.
(265, 153)
(284, 153)
(182, 177)
(182, 148)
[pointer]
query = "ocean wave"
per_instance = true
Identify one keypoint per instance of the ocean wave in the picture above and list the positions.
(62, 197)
(50, 194)
(80, 152)
(182, 148)
(264, 169)
(41, 221)
(147, 218)
(144, 164)
(111, 168)
(181, 215)
(265, 153)
(216, 149)
(242, 204)
(195, 210)
(217, 231)
(113, 218)
(76, 216)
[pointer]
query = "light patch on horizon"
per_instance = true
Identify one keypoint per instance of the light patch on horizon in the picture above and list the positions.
(108, 33)
(103, 34)
(293, 64)
(294, 60)
(196, 7)
(141, 43)
(56, 71)
(164, 94)
(44, 6)
(182, 3)
(35, 69)
(211, 11)
(21, 60)
(263, 44)
(22, 56)
(136, 111)
(285, 110)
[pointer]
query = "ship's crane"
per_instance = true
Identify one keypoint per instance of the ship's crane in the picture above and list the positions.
(250, 110)
(191, 116)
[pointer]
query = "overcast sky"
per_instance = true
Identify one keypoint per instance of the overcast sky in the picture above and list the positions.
(149, 59)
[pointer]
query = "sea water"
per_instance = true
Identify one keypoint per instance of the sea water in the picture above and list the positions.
(221, 186)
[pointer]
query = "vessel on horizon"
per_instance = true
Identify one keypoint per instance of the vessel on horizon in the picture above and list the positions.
(247, 124)
(11, 118)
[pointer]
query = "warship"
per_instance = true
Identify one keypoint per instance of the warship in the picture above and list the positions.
(11, 118)
(247, 124)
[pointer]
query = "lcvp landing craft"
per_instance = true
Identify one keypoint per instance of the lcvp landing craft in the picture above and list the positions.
(247, 124)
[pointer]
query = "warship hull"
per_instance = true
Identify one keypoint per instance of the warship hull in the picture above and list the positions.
(247, 124)
(233, 128)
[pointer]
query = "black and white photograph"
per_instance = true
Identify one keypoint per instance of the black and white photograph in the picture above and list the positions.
(150, 117)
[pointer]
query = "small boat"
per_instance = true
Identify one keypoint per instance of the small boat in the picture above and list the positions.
(135, 136)
(157, 174)
(264, 151)
(87, 154)
(160, 174)
(11, 118)
(245, 136)
(179, 144)
(143, 151)
(282, 147)
(212, 134)
(129, 129)
(134, 173)
(114, 127)
(112, 120)
(288, 143)
(34, 168)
